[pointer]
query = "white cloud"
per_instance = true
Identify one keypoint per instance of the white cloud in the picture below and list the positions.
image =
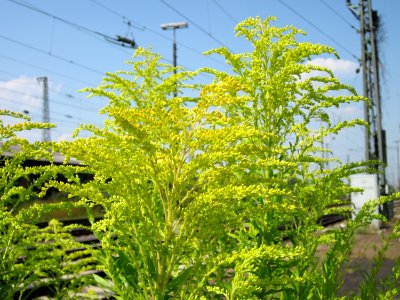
(351, 110)
(31, 135)
(19, 94)
(346, 112)
(24, 94)
(340, 67)
(65, 137)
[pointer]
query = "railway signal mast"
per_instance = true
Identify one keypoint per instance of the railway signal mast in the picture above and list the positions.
(375, 139)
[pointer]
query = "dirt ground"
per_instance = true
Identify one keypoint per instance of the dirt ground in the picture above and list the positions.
(367, 244)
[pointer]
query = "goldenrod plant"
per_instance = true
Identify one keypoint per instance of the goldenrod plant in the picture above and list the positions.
(32, 256)
(218, 192)
(279, 94)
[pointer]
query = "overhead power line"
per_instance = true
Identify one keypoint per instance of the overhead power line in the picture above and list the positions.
(45, 69)
(8, 73)
(122, 41)
(225, 11)
(194, 24)
(69, 96)
(51, 54)
(130, 22)
(337, 14)
(84, 102)
(317, 28)
(114, 12)
(145, 28)
(93, 110)
(22, 105)
(55, 101)
(65, 118)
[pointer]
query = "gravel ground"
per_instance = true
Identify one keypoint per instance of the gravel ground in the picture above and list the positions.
(367, 244)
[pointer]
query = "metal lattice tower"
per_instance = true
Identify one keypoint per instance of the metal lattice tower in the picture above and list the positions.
(375, 148)
(45, 109)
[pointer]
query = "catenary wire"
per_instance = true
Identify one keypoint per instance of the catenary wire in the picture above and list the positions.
(75, 25)
(337, 14)
(140, 27)
(194, 23)
(51, 54)
(225, 11)
(69, 96)
(317, 28)
(37, 116)
(106, 37)
(52, 100)
(86, 30)
(92, 33)
(45, 69)
(144, 28)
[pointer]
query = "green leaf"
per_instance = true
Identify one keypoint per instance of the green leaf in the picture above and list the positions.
(104, 283)
(151, 268)
(126, 267)
(179, 280)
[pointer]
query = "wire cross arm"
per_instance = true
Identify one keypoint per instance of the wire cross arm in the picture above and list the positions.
(122, 41)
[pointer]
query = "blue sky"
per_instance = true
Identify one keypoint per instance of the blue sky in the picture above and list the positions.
(65, 42)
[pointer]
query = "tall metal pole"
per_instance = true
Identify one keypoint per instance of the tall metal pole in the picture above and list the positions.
(174, 50)
(174, 61)
(367, 137)
(174, 26)
(376, 93)
(398, 164)
(374, 140)
(45, 109)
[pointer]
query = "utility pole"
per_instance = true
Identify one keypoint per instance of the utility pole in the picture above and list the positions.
(174, 26)
(45, 109)
(398, 164)
(375, 139)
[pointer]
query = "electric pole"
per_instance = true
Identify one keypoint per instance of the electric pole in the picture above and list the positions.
(45, 109)
(398, 164)
(375, 139)
(174, 26)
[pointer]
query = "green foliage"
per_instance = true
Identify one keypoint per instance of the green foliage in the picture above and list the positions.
(212, 196)
(193, 187)
(275, 92)
(32, 256)
(386, 288)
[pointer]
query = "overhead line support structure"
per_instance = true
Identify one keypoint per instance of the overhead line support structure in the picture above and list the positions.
(45, 109)
(375, 138)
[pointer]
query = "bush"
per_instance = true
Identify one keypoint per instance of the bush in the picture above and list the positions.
(218, 195)
(33, 256)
